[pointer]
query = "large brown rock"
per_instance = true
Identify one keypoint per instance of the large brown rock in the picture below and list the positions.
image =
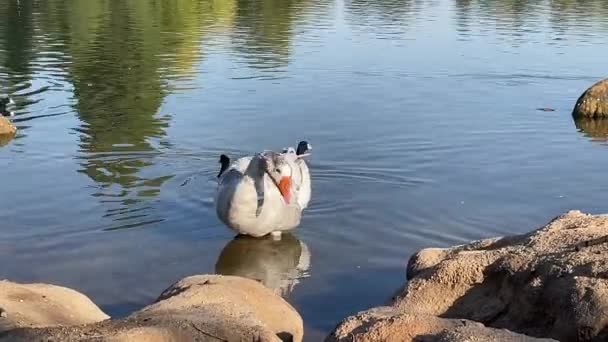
(41, 305)
(551, 282)
(198, 308)
(388, 324)
(593, 103)
(234, 297)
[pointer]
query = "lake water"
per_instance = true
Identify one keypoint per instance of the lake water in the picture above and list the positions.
(422, 115)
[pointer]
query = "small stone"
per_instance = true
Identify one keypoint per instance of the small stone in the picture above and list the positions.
(3, 313)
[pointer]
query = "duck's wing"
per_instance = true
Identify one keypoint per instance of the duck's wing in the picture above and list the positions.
(304, 186)
(228, 183)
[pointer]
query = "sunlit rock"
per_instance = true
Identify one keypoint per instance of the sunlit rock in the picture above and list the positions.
(593, 103)
(196, 308)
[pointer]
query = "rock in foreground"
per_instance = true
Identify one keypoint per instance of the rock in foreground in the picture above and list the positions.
(388, 324)
(43, 305)
(548, 283)
(593, 103)
(199, 308)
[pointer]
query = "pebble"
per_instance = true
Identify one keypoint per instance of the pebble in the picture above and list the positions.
(3, 313)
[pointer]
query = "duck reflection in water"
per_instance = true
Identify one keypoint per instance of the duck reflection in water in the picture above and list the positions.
(277, 264)
(6, 104)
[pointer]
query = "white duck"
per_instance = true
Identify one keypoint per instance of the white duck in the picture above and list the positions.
(263, 194)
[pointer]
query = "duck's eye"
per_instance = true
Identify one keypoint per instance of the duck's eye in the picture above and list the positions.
(277, 170)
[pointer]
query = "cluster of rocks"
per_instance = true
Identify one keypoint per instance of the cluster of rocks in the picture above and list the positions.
(197, 308)
(547, 285)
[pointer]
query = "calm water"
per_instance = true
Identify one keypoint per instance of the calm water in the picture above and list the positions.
(422, 114)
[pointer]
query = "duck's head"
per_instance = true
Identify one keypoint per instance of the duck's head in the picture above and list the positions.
(5, 101)
(303, 148)
(277, 167)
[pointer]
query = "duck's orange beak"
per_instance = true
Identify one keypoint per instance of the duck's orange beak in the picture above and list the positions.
(285, 188)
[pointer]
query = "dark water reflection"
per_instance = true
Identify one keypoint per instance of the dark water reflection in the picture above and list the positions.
(422, 113)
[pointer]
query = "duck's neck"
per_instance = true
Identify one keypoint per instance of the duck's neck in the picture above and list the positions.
(255, 169)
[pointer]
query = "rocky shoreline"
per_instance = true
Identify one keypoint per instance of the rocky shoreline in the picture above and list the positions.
(547, 285)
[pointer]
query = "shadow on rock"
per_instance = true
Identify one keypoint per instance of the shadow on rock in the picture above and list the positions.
(277, 264)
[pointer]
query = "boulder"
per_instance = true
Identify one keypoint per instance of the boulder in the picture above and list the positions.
(233, 297)
(198, 308)
(548, 283)
(593, 103)
(388, 324)
(42, 305)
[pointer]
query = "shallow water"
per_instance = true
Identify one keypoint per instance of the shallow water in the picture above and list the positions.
(422, 115)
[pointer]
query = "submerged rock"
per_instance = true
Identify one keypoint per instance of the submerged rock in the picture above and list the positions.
(198, 308)
(43, 305)
(389, 324)
(593, 103)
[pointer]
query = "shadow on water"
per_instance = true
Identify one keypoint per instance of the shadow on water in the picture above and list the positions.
(278, 264)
